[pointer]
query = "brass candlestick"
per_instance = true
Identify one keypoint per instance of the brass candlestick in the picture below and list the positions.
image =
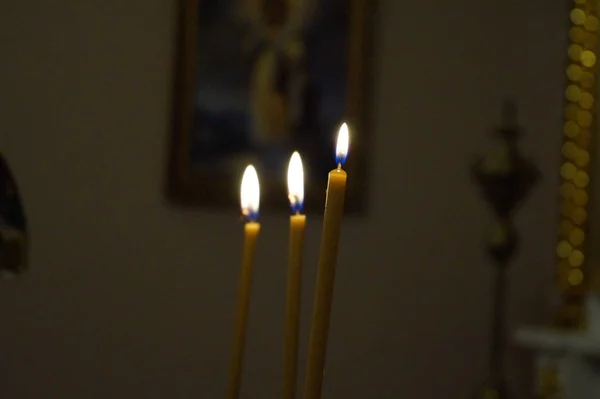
(505, 179)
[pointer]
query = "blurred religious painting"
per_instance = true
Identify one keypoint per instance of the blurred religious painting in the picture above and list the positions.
(259, 79)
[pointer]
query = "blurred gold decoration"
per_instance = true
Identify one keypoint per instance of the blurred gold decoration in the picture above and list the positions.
(579, 216)
(568, 170)
(591, 23)
(574, 52)
(586, 101)
(590, 40)
(588, 58)
(581, 179)
(574, 72)
(567, 189)
(569, 149)
(563, 249)
(576, 34)
(578, 16)
(579, 122)
(577, 236)
(571, 129)
(582, 158)
(580, 197)
(571, 111)
(573, 93)
(575, 277)
(584, 118)
(587, 79)
(583, 139)
(549, 384)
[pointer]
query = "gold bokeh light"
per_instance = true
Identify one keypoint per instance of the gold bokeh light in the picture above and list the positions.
(581, 179)
(578, 127)
(574, 52)
(586, 100)
(576, 258)
(566, 190)
(588, 58)
(577, 236)
(564, 249)
(575, 277)
(569, 150)
(578, 16)
(584, 118)
(576, 34)
(568, 171)
(582, 158)
(571, 129)
(580, 197)
(587, 80)
(589, 41)
(579, 215)
(591, 23)
(574, 72)
(573, 93)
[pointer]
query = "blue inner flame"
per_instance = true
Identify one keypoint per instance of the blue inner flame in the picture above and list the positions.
(340, 159)
(250, 216)
(296, 205)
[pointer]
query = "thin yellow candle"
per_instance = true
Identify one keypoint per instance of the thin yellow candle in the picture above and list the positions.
(294, 279)
(332, 222)
(250, 198)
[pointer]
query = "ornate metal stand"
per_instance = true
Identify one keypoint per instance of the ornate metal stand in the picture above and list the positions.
(505, 179)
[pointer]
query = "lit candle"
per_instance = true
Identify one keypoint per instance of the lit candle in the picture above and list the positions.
(332, 222)
(250, 198)
(294, 279)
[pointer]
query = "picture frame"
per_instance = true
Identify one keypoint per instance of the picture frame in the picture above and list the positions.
(193, 181)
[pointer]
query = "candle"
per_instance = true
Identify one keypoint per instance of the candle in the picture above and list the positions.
(334, 209)
(250, 198)
(294, 279)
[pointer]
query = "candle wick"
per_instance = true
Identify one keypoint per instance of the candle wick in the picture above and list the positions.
(339, 166)
(297, 212)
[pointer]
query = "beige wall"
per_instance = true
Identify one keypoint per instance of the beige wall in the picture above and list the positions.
(128, 297)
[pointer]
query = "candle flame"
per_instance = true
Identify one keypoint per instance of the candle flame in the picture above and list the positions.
(250, 194)
(296, 182)
(341, 151)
